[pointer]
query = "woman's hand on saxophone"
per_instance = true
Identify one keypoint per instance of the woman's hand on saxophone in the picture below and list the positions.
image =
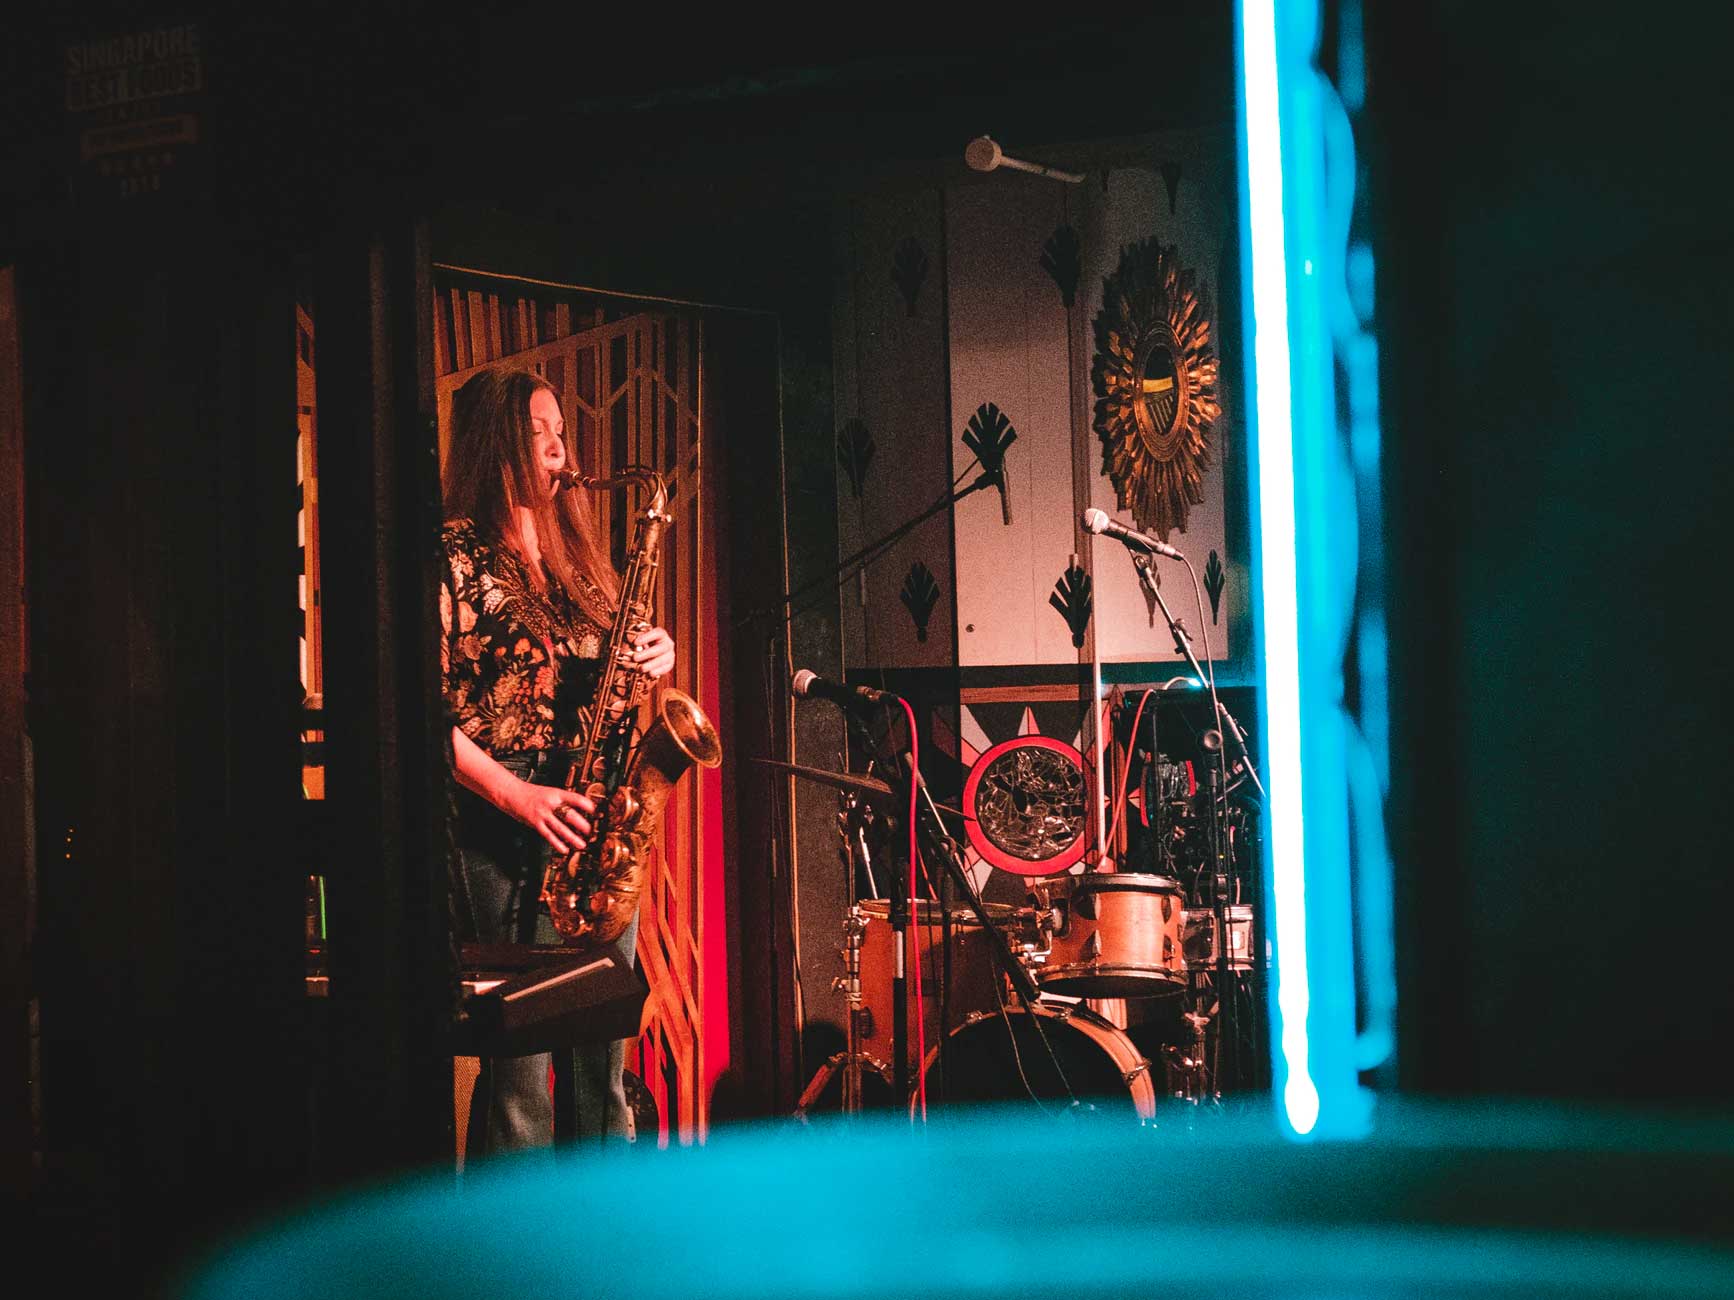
(653, 652)
(562, 817)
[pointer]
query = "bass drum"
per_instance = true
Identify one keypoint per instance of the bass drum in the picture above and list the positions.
(993, 1059)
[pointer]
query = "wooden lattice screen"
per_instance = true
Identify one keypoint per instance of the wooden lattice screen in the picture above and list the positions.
(312, 638)
(630, 389)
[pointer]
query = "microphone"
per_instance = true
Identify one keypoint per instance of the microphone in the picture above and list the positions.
(1097, 521)
(808, 685)
(983, 154)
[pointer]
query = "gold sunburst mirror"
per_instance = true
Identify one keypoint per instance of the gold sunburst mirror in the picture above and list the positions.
(1154, 375)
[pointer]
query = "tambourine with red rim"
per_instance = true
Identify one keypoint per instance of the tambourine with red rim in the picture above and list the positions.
(1026, 806)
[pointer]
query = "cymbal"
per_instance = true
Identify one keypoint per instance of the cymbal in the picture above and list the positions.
(870, 786)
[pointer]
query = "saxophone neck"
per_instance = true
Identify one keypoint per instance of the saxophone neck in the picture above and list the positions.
(627, 477)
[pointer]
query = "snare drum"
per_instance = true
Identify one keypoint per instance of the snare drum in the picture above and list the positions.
(989, 1059)
(975, 979)
(1119, 935)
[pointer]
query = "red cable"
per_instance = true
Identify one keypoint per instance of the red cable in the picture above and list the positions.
(920, 1006)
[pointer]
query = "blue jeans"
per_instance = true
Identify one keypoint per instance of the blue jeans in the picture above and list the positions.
(511, 1108)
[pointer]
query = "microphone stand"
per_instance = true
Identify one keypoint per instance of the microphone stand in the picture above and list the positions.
(1183, 643)
(988, 478)
(1219, 879)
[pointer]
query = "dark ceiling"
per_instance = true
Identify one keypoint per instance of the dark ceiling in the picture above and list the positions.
(316, 99)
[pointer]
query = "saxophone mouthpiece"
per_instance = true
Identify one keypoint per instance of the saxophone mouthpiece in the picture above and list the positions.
(571, 478)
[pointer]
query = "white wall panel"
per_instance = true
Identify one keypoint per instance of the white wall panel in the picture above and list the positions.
(1008, 326)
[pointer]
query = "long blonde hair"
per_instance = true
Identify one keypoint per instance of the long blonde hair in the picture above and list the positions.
(491, 470)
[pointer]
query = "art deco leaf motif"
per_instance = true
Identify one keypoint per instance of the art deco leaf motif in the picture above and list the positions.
(855, 448)
(909, 271)
(1215, 579)
(1061, 259)
(1073, 596)
(988, 435)
(1171, 178)
(919, 595)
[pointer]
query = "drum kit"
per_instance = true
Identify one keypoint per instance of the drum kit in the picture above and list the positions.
(1105, 988)
(1092, 944)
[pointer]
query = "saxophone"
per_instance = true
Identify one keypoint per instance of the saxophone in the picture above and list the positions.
(592, 893)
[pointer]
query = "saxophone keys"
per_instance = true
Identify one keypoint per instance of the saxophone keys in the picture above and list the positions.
(616, 856)
(623, 807)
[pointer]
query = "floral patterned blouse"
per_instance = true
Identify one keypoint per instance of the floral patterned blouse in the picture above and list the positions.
(520, 666)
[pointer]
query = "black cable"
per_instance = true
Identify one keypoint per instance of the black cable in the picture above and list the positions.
(1017, 1056)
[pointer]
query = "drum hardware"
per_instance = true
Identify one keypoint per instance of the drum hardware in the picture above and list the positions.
(1189, 1062)
(1102, 936)
(1200, 938)
(873, 1076)
(853, 818)
(852, 1062)
(854, 927)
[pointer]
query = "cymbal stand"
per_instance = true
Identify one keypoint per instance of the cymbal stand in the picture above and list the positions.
(849, 985)
(900, 906)
(854, 823)
(855, 816)
(852, 820)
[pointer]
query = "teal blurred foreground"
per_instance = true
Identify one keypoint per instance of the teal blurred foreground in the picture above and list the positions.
(1485, 1201)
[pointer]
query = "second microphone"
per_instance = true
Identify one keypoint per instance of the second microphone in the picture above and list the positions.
(808, 685)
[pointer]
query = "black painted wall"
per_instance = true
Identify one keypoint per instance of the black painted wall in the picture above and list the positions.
(1555, 312)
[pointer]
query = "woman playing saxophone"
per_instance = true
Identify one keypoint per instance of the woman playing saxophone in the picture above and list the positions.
(527, 598)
